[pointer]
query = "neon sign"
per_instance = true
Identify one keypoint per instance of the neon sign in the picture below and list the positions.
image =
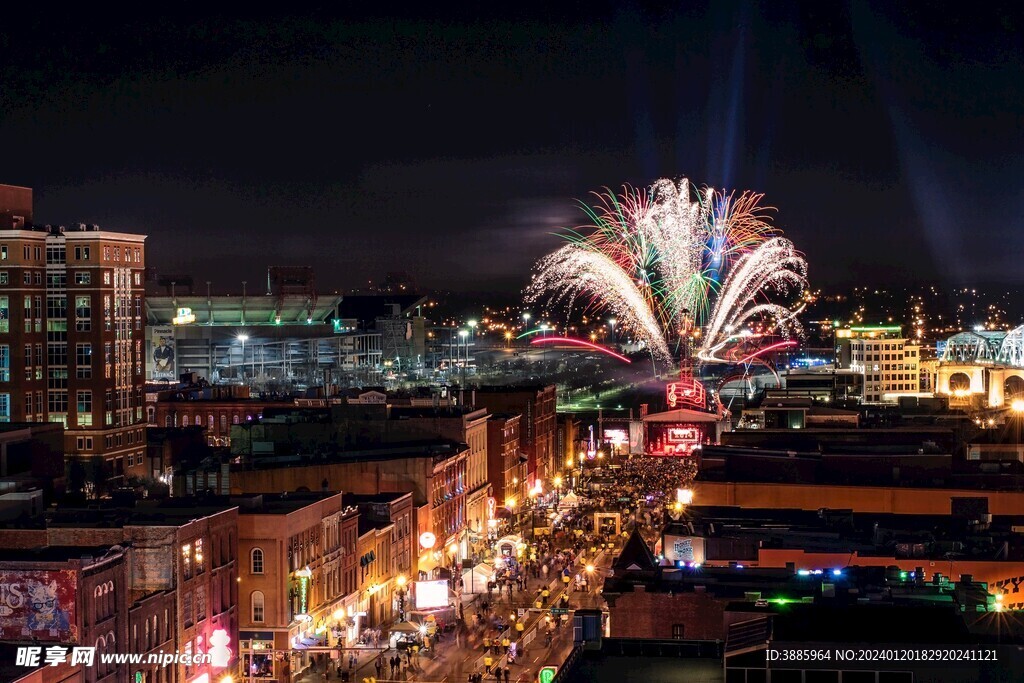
(686, 391)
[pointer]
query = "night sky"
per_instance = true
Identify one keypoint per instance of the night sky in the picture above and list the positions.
(889, 138)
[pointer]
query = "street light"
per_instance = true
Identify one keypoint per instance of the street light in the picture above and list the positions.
(612, 321)
(526, 319)
(243, 338)
(558, 487)
(462, 337)
(534, 493)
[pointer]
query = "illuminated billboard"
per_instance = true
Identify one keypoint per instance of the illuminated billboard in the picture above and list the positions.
(684, 549)
(430, 594)
(616, 437)
(673, 438)
(160, 353)
(38, 605)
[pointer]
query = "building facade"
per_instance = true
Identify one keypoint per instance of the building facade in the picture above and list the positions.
(76, 596)
(71, 331)
(888, 362)
(292, 584)
(537, 429)
(506, 464)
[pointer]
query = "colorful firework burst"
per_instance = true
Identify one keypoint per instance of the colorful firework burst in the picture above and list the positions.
(672, 257)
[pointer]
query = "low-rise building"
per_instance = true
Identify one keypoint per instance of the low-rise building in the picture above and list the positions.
(537, 429)
(179, 588)
(291, 582)
(69, 596)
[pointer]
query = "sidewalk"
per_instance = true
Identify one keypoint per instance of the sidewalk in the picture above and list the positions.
(364, 668)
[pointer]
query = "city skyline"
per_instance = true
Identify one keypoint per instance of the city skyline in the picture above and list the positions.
(879, 139)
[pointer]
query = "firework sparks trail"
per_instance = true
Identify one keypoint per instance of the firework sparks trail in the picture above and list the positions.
(661, 258)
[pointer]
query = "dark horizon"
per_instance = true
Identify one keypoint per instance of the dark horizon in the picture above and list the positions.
(453, 147)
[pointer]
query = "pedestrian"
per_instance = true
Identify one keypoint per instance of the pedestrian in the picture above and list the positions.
(508, 674)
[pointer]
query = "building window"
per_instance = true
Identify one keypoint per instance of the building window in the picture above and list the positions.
(5, 363)
(83, 313)
(3, 277)
(5, 407)
(5, 314)
(200, 603)
(678, 631)
(55, 254)
(3, 252)
(27, 277)
(83, 277)
(257, 607)
(84, 407)
(256, 561)
(186, 608)
(186, 561)
(199, 556)
(83, 361)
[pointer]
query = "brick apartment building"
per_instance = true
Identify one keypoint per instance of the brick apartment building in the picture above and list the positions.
(506, 463)
(537, 430)
(71, 332)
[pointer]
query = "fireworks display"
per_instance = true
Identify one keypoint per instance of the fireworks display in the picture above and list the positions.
(671, 260)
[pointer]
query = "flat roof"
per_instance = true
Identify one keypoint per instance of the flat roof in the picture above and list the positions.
(357, 498)
(279, 503)
(58, 553)
(259, 309)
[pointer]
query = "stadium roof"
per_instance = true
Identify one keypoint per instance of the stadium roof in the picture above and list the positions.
(228, 310)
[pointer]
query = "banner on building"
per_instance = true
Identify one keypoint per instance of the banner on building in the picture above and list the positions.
(160, 353)
(683, 549)
(38, 605)
(636, 437)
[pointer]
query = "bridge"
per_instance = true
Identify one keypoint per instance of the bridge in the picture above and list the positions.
(983, 363)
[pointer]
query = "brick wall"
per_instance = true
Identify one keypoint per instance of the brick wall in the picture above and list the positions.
(652, 615)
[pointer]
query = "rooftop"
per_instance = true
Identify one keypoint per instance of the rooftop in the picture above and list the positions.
(357, 498)
(86, 553)
(176, 511)
(279, 503)
(256, 310)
